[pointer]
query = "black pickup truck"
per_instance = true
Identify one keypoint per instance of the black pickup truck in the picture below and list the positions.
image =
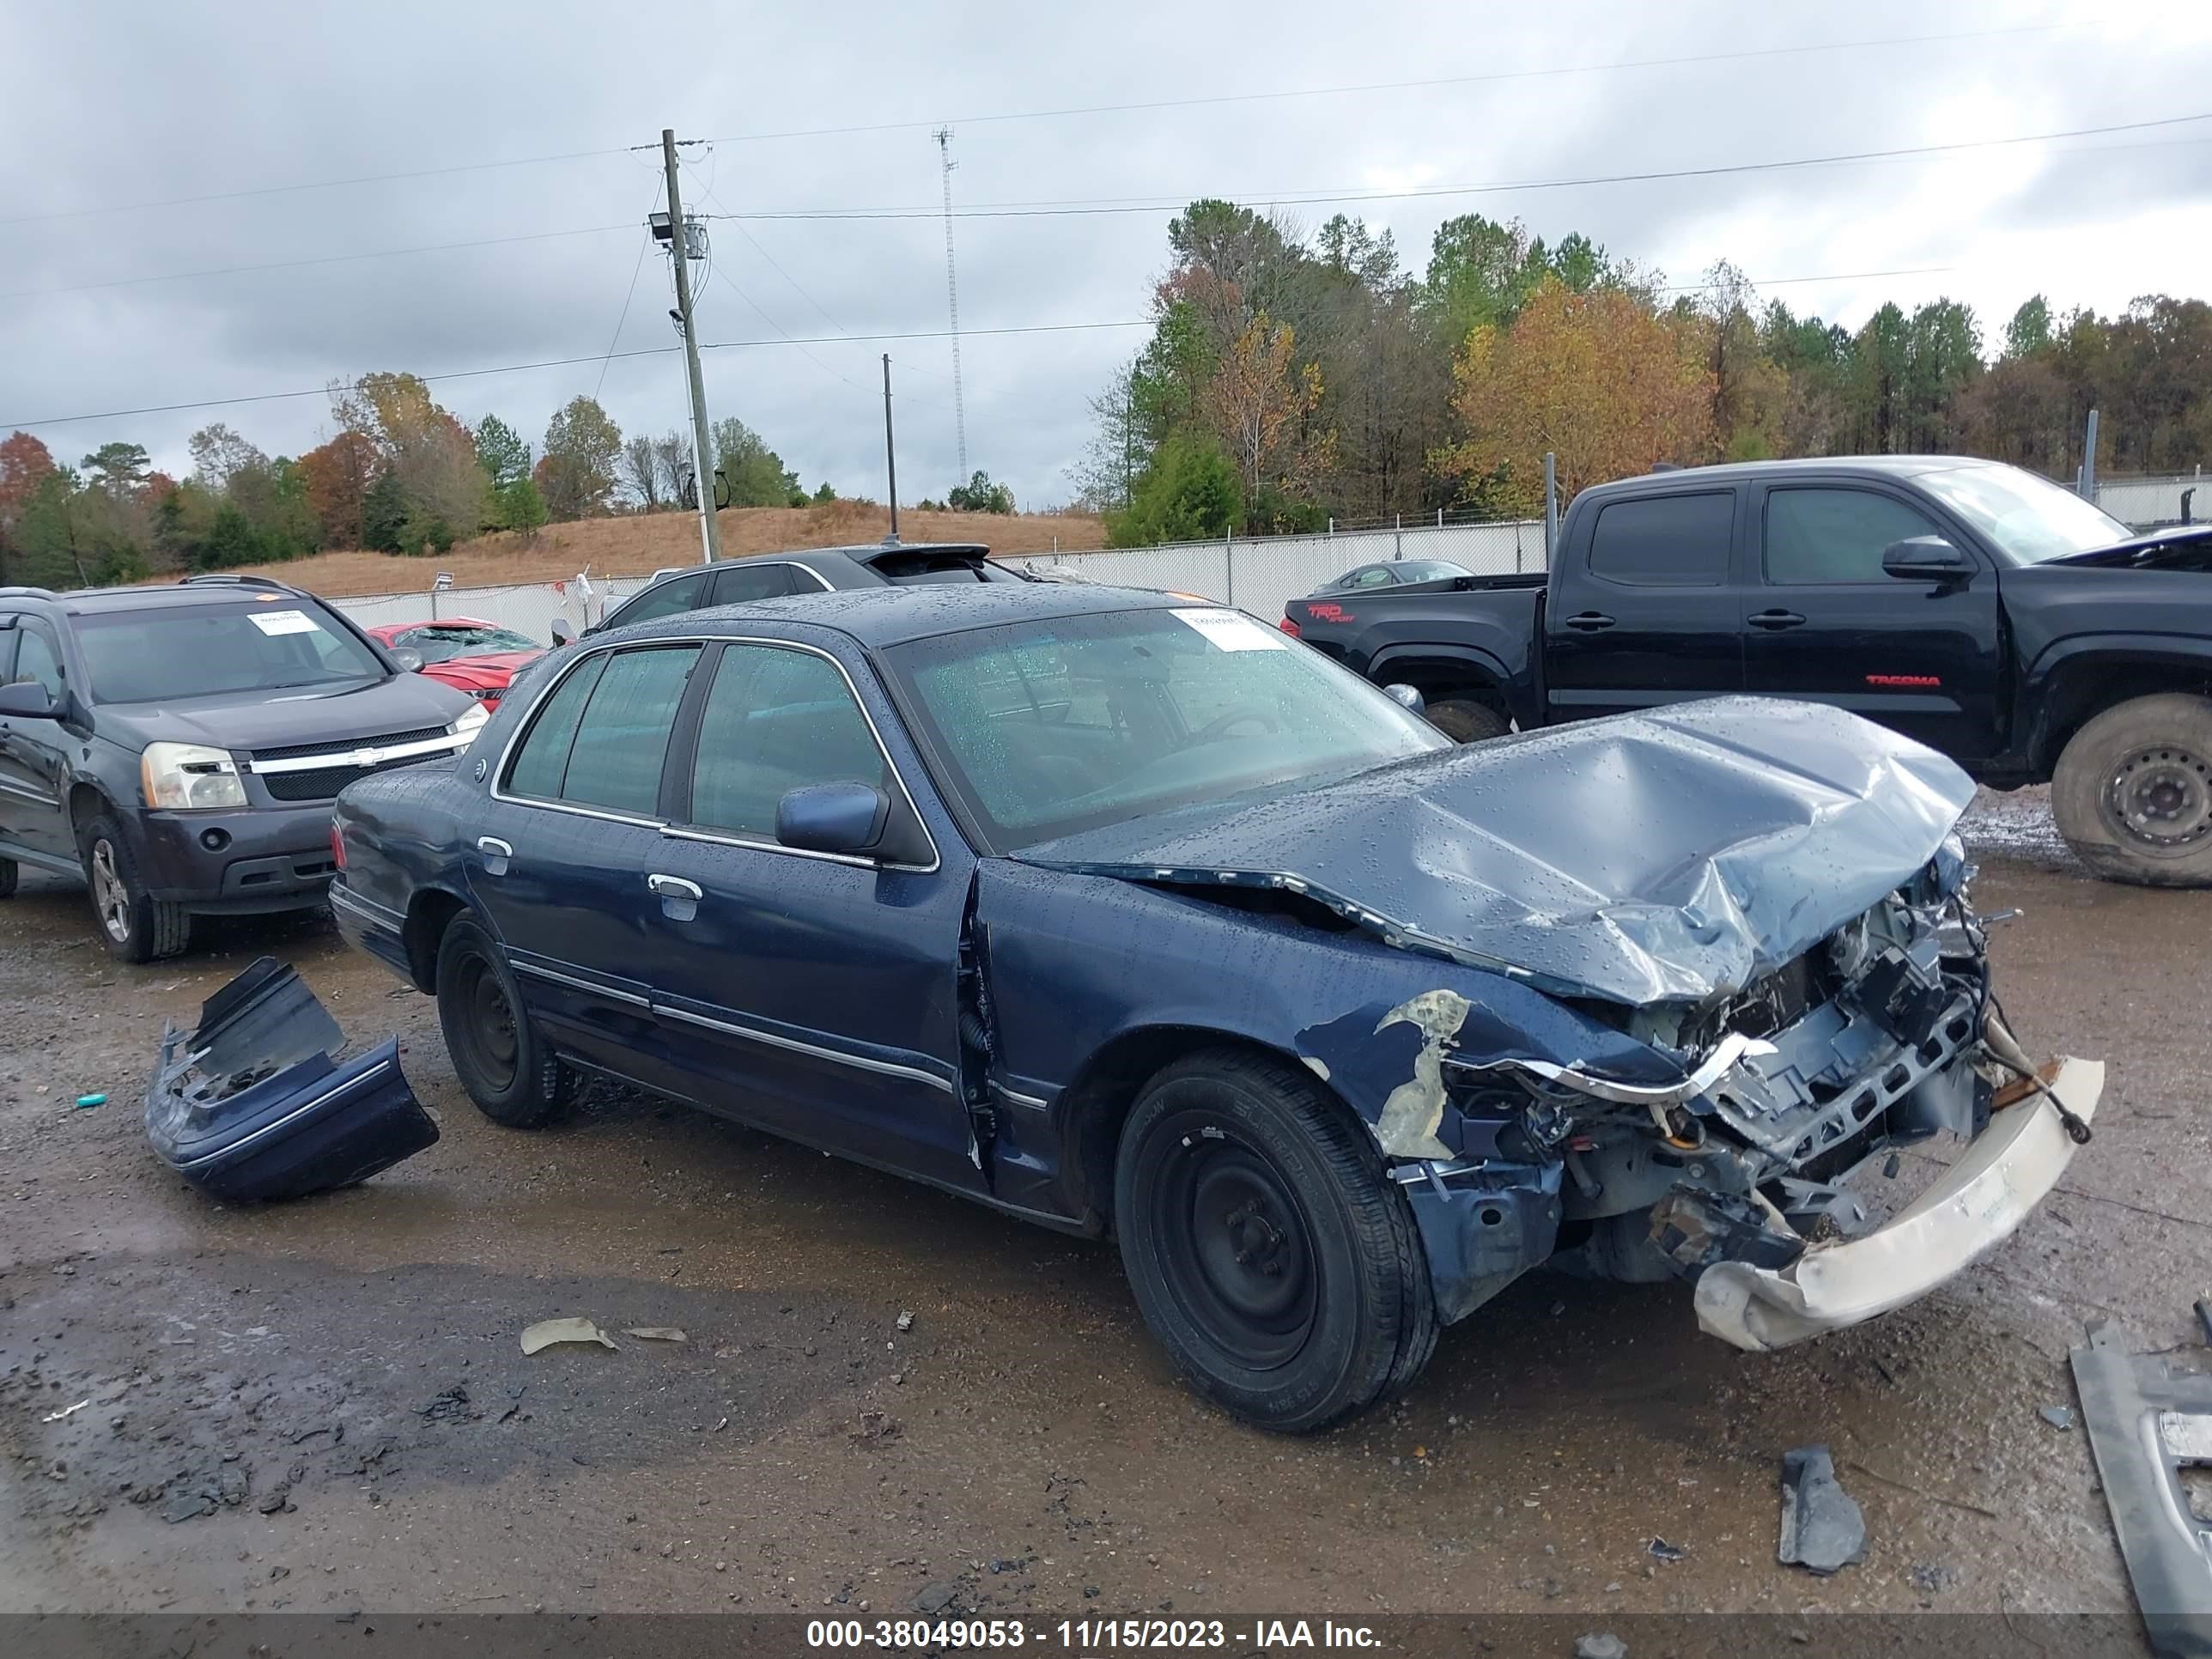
(1987, 612)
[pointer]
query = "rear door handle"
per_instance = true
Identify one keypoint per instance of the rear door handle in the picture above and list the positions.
(1589, 621)
(1776, 619)
(495, 852)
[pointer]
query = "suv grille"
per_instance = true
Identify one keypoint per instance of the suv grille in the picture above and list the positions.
(324, 782)
(346, 746)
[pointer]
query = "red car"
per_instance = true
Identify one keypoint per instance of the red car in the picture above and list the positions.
(479, 657)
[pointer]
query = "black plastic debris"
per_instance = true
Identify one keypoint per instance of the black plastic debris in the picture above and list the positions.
(1822, 1529)
(255, 1104)
(2149, 1418)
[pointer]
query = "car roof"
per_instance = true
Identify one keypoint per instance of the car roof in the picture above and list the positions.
(877, 616)
(1892, 466)
(159, 596)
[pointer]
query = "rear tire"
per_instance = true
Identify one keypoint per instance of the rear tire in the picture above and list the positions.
(506, 1066)
(1465, 721)
(133, 926)
(1268, 1248)
(2132, 792)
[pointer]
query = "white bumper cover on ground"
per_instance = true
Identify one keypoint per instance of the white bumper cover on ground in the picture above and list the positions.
(1969, 1210)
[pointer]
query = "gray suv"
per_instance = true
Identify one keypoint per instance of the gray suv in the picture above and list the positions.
(179, 746)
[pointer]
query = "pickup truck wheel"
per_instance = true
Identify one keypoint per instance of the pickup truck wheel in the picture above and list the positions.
(1269, 1250)
(2132, 792)
(1465, 721)
(134, 926)
(499, 1056)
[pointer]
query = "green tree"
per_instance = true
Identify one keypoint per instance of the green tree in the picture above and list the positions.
(1189, 493)
(118, 466)
(825, 494)
(576, 468)
(2028, 333)
(754, 474)
(1481, 274)
(980, 495)
(383, 514)
(521, 508)
(501, 452)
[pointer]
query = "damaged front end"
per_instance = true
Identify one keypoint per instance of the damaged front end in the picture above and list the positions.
(1729, 1167)
(254, 1103)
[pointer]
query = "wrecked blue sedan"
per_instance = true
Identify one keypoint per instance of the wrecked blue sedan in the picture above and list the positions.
(1125, 915)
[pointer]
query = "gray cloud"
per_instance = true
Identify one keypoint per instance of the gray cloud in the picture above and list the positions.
(215, 99)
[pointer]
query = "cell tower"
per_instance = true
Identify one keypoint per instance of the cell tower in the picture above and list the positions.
(944, 136)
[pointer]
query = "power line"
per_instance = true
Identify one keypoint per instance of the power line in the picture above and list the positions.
(629, 294)
(1297, 197)
(247, 192)
(1151, 105)
(319, 260)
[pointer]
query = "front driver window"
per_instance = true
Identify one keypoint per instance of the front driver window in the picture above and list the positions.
(37, 663)
(1815, 536)
(775, 720)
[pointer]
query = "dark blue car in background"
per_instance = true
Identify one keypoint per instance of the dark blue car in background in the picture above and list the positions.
(1126, 914)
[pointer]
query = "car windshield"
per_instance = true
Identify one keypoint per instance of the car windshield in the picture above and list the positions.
(159, 654)
(1053, 726)
(444, 644)
(2028, 519)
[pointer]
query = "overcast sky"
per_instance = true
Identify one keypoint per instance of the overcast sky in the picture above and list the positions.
(104, 109)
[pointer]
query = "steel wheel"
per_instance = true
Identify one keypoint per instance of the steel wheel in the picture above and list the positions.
(1234, 1246)
(111, 898)
(500, 1057)
(2161, 797)
(489, 1025)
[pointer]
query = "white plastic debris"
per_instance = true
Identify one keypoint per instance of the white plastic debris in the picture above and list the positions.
(548, 1332)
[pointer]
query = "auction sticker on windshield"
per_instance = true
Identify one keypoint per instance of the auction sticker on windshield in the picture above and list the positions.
(284, 621)
(1232, 630)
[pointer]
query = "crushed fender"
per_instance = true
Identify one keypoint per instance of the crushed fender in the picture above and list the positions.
(2149, 1417)
(253, 1103)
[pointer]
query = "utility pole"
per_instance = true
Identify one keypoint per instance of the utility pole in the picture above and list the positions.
(891, 453)
(944, 136)
(679, 253)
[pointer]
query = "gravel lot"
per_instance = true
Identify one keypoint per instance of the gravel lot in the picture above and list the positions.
(322, 1406)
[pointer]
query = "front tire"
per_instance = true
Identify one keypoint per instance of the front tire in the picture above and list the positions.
(1465, 721)
(502, 1062)
(1268, 1250)
(2132, 792)
(133, 925)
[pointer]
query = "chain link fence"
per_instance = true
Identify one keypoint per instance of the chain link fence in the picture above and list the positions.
(1259, 576)
(2150, 503)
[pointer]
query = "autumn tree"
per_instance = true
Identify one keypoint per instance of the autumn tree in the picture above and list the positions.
(1256, 404)
(1594, 378)
(25, 463)
(338, 476)
(217, 451)
(577, 463)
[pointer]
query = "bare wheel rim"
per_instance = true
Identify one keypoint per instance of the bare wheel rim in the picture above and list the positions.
(2162, 796)
(109, 896)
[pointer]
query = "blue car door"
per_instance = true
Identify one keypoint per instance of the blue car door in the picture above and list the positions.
(559, 856)
(814, 994)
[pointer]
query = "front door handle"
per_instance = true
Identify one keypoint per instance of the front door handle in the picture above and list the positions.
(1589, 621)
(1772, 620)
(495, 852)
(679, 899)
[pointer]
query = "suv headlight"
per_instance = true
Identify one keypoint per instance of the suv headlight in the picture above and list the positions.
(469, 721)
(189, 777)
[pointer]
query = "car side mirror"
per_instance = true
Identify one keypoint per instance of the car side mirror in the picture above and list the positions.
(561, 631)
(29, 701)
(833, 817)
(407, 659)
(1926, 559)
(1406, 697)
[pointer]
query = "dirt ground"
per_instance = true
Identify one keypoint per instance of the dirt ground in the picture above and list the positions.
(636, 544)
(322, 1406)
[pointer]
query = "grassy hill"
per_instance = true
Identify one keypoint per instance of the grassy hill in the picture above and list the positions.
(635, 545)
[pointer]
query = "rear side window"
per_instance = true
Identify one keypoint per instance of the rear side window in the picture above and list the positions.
(1835, 535)
(1665, 541)
(602, 736)
(749, 582)
(668, 598)
(775, 720)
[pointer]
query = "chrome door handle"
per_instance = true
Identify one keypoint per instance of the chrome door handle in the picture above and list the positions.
(495, 852)
(675, 887)
(1772, 620)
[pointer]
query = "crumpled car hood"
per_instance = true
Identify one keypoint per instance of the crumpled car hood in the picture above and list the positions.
(1672, 856)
